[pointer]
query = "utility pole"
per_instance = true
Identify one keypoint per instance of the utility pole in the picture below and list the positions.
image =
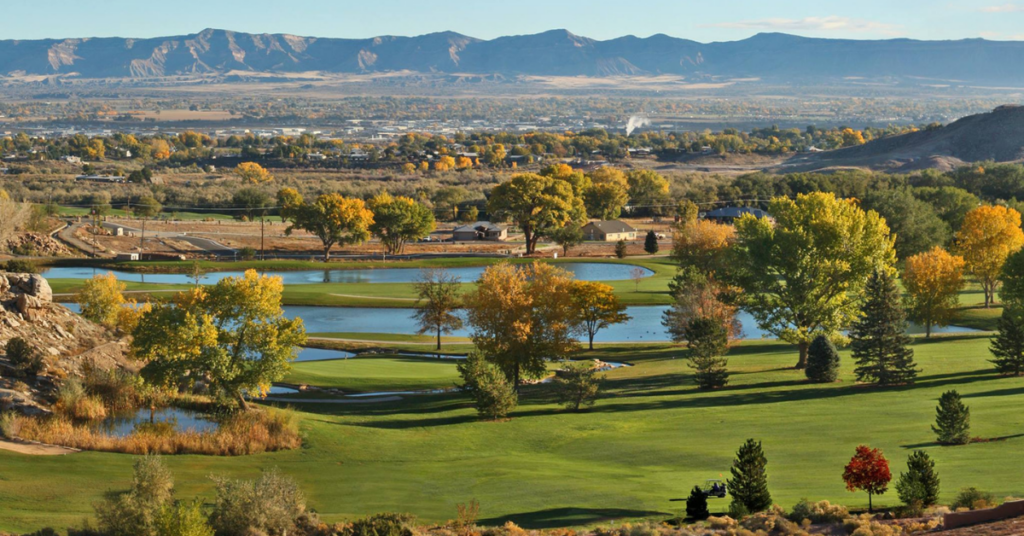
(263, 219)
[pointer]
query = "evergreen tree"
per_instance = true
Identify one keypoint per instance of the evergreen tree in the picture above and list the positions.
(822, 361)
(697, 505)
(707, 340)
(749, 483)
(1008, 344)
(952, 420)
(651, 242)
(879, 338)
(920, 483)
(620, 249)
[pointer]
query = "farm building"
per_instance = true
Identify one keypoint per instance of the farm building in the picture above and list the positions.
(608, 231)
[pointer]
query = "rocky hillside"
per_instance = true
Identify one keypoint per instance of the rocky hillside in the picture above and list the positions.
(786, 58)
(997, 135)
(68, 342)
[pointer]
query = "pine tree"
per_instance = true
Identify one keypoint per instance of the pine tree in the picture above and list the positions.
(697, 505)
(749, 483)
(920, 483)
(952, 420)
(707, 340)
(651, 242)
(822, 361)
(1008, 344)
(620, 249)
(879, 338)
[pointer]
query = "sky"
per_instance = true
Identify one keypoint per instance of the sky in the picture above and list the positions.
(720, 20)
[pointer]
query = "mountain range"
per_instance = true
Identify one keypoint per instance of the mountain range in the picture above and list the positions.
(769, 56)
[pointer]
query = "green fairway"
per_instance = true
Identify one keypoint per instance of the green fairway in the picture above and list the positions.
(650, 438)
(375, 374)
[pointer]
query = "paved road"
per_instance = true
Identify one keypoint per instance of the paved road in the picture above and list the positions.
(211, 246)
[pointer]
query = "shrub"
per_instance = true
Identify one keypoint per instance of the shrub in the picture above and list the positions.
(697, 504)
(386, 524)
(183, 519)
(577, 385)
(119, 389)
(269, 504)
(822, 361)
(25, 359)
(137, 512)
(651, 242)
(494, 395)
(620, 249)
(818, 512)
(10, 425)
(972, 499)
(952, 420)
(247, 253)
(21, 266)
(73, 402)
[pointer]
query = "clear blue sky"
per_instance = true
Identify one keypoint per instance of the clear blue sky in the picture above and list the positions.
(716, 20)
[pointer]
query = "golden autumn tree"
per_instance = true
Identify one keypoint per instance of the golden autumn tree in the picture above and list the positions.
(334, 219)
(398, 220)
(102, 301)
(253, 173)
(160, 149)
(933, 280)
(522, 317)
(233, 334)
(463, 162)
(702, 244)
(987, 237)
(537, 204)
(598, 307)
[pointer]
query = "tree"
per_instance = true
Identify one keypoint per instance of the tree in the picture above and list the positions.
(651, 242)
(708, 340)
(102, 301)
(597, 307)
(822, 361)
(607, 194)
(647, 189)
(703, 244)
(233, 334)
(577, 385)
(802, 274)
(569, 236)
(913, 222)
(289, 202)
(398, 220)
(687, 211)
(952, 420)
(140, 176)
(697, 295)
(697, 505)
(334, 219)
(537, 204)
(253, 201)
(749, 483)
(146, 208)
(494, 395)
(253, 173)
(621, 249)
(1008, 344)
(920, 484)
(988, 236)
(868, 471)
(879, 340)
(438, 293)
(522, 317)
(933, 281)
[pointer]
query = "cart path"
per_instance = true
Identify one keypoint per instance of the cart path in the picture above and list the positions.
(368, 400)
(35, 449)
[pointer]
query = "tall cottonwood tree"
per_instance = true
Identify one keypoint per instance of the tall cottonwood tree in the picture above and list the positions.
(879, 338)
(334, 219)
(933, 280)
(801, 273)
(988, 236)
(399, 220)
(539, 205)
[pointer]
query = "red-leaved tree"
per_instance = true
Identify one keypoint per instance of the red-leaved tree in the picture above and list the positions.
(868, 470)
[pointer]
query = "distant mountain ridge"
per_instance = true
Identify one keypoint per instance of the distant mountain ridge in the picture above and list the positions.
(553, 53)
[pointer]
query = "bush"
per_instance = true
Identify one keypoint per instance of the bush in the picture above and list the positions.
(818, 512)
(21, 266)
(577, 385)
(697, 504)
(269, 504)
(822, 361)
(972, 499)
(24, 358)
(382, 525)
(10, 425)
(620, 249)
(137, 512)
(494, 395)
(183, 519)
(74, 403)
(119, 389)
(247, 253)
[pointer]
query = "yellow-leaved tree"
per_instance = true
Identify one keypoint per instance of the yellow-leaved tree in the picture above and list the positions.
(102, 301)
(334, 219)
(598, 307)
(702, 244)
(987, 237)
(522, 317)
(233, 334)
(253, 173)
(933, 280)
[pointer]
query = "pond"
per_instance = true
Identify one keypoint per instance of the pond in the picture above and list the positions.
(643, 326)
(584, 271)
(179, 420)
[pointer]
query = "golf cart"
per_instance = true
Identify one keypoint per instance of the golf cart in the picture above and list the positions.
(713, 488)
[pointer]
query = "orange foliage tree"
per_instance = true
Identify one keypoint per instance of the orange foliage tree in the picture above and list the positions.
(868, 471)
(933, 280)
(987, 237)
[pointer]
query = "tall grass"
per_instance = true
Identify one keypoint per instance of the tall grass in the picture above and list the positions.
(250, 432)
(73, 402)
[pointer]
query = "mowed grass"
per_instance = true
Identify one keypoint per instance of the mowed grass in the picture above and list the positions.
(649, 439)
(375, 374)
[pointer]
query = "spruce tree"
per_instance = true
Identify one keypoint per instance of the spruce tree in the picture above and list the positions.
(651, 243)
(879, 338)
(822, 361)
(749, 483)
(952, 420)
(707, 340)
(1008, 344)
(697, 505)
(620, 249)
(920, 482)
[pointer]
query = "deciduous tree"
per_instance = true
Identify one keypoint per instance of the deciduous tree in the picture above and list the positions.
(988, 236)
(537, 204)
(607, 194)
(648, 190)
(253, 173)
(801, 274)
(933, 281)
(597, 307)
(569, 236)
(493, 394)
(438, 308)
(398, 220)
(698, 296)
(577, 385)
(334, 219)
(102, 301)
(146, 208)
(703, 244)
(868, 471)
